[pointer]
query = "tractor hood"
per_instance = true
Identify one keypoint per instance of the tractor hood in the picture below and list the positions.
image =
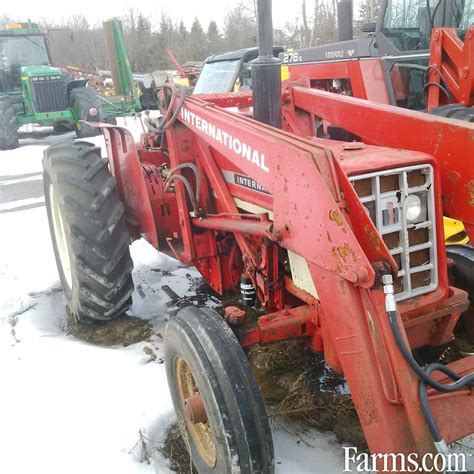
(39, 71)
(343, 50)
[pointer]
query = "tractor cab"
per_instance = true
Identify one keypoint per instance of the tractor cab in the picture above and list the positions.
(20, 47)
(394, 50)
(25, 68)
(407, 27)
(228, 72)
(403, 35)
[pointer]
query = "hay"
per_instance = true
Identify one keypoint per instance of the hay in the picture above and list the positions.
(298, 386)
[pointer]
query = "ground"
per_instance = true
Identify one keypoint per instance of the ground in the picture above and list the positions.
(77, 401)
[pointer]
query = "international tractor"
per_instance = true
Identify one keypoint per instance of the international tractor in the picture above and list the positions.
(33, 91)
(339, 243)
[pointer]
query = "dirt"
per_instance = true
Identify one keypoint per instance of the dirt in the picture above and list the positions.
(175, 451)
(460, 347)
(122, 331)
(305, 390)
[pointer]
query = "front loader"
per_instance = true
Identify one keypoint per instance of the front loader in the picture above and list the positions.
(338, 243)
(418, 56)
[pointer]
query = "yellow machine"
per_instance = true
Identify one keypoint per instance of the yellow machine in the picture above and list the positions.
(454, 232)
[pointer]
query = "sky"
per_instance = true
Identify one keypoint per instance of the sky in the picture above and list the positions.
(97, 11)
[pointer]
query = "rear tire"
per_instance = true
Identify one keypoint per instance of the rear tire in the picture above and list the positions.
(203, 358)
(82, 100)
(8, 127)
(88, 231)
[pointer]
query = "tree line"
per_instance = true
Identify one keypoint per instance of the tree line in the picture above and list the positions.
(78, 43)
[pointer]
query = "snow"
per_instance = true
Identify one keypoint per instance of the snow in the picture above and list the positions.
(69, 406)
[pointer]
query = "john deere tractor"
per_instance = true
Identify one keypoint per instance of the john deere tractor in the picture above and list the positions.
(32, 91)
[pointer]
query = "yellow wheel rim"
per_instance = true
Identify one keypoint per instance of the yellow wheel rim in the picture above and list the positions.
(200, 433)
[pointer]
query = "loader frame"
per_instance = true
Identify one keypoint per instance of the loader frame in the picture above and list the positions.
(244, 226)
(449, 141)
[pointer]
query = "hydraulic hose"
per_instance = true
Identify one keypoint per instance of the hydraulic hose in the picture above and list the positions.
(423, 373)
(171, 114)
(196, 172)
(188, 187)
(182, 98)
(444, 87)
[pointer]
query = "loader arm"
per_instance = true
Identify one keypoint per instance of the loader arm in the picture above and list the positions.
(449, 141)
(340, 270)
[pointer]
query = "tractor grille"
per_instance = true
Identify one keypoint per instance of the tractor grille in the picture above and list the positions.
(400, 202)
(48, 93)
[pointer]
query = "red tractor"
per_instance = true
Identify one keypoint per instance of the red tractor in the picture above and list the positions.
(338, 243)
(416, 57)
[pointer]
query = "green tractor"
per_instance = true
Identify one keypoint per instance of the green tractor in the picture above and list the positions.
(32, 91)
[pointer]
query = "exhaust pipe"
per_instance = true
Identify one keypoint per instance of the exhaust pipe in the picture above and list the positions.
(344, 19)
(266, 71)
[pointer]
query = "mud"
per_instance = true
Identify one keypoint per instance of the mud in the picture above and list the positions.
(175, 451)
(457, 349)
(298, 386)
(198, 293)
(122, 331)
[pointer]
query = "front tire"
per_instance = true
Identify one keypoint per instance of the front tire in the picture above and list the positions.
(63, 127)
(205, 361)
(9, 139)
(82, 100)
(88, 231)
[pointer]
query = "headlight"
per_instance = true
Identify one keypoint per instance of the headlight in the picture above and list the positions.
(415, 209)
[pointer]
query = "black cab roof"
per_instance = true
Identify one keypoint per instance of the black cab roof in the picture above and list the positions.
(245, 54)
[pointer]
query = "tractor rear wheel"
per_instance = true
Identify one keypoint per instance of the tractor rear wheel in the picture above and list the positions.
(88, 231)
(218, 404)
(455, 111)
(8, 127)
(83, 99)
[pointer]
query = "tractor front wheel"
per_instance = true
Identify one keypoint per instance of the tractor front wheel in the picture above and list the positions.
(218, 404)
(83, 99)
(8, 127)
(88, 231)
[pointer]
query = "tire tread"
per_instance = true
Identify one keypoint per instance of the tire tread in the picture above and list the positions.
(95, 222)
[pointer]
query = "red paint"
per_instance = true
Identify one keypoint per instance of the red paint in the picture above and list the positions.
(455, 61)
(309, 207)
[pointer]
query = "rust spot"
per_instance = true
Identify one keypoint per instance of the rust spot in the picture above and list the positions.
(470, 190)
(329, 237)
(373, 239)
(346, 252)
(439, 133)
(453, 177)
(336, 217)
